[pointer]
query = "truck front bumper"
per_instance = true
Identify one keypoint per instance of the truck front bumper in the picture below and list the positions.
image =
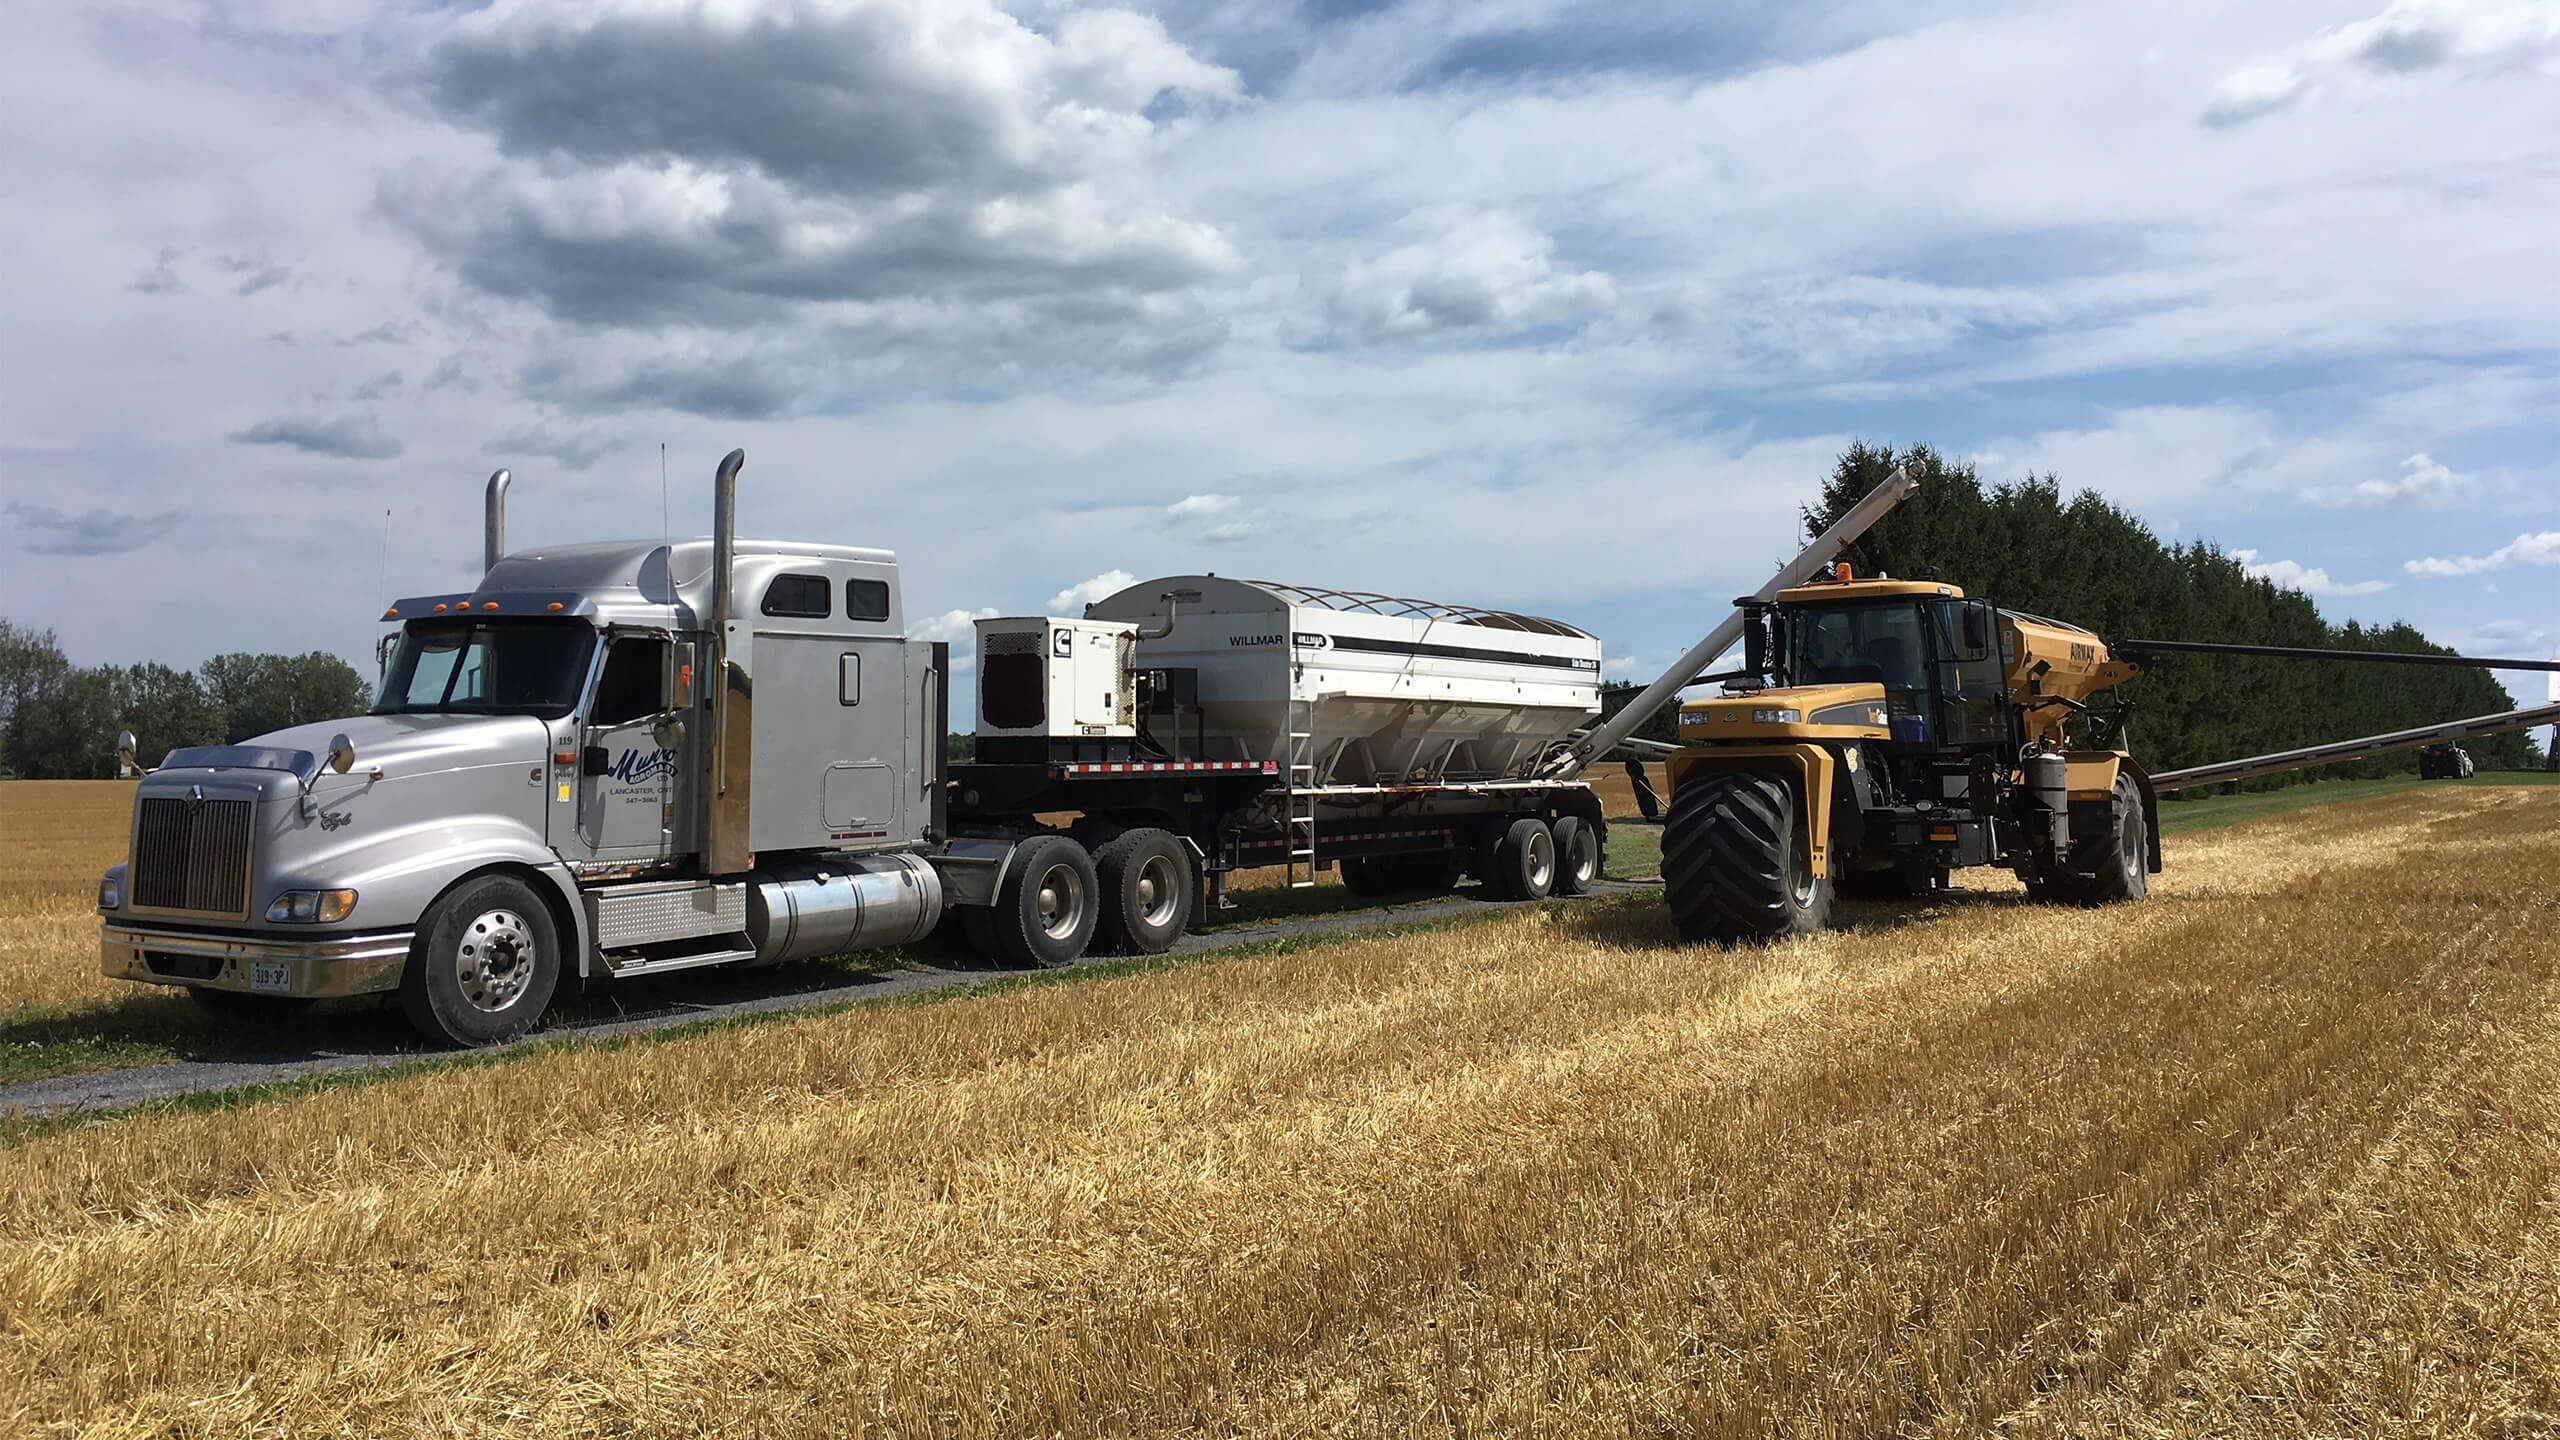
(314, 969)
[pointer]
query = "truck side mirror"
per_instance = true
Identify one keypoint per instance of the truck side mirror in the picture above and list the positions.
(1977, 631)
(1755, 641)
(125, 746)
(594, 760)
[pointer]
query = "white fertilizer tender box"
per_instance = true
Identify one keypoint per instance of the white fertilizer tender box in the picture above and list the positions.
(1389, 691)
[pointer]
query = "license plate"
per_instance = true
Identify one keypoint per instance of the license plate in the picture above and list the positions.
(271, 977)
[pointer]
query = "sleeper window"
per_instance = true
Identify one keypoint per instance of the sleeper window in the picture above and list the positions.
(866, 599)
(799, 597)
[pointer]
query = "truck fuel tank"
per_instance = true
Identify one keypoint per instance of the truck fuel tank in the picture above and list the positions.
(845, 903)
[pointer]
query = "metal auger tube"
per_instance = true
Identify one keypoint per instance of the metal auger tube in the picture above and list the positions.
(1582, 750)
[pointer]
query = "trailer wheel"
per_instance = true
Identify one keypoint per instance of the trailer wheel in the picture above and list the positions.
(1365, 877)
(1736, 865)
(1048, 905)
(2113, 868)
(1577, 854)
(1146, 892)
(1525, 867)
(484, 964)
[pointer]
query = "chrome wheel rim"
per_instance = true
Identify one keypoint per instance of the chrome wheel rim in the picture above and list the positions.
(494, 960)
(1585, 856)
(1539, 863)
(1158, 888)
(1061, 901)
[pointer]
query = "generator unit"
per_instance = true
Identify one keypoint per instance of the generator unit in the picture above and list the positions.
(1055, 689)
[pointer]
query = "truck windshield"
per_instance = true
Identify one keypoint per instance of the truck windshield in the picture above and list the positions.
(1881, 644)
(487, 667)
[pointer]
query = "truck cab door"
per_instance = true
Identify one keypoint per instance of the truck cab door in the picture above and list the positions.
(631, 762)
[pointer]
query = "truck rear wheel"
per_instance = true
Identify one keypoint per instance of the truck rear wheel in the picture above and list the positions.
(484, 964)
(1577, 854)
(1524, 867)
(1048, 906)
(1735, 863)
(1146, 892)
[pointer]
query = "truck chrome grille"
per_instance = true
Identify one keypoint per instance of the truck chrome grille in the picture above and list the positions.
(192, 856)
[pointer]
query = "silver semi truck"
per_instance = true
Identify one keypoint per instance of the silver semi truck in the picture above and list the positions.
(624, 758)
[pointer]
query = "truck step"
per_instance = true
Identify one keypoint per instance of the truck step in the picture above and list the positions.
(653, 965)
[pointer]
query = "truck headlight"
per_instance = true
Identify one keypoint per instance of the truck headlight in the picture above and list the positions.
(1776, 717)
(312, 907)
(111, 892)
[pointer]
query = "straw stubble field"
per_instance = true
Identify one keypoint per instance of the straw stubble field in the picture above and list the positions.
(2278, 1152)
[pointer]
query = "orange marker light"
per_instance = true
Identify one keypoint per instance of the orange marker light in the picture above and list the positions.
(555, 605)
(684, 674)
(488, 604)
(1842, 571)
(563, 757)
(391, 614)
(439, 607)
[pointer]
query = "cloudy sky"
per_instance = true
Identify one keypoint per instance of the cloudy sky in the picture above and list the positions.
(1515, 302)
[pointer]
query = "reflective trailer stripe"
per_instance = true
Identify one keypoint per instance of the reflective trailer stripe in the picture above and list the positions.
(1168, 767)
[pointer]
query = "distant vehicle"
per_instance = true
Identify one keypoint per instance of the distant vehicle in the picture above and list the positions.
(2446, 762)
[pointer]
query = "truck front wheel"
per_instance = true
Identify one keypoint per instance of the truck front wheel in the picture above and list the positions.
(484, 964)
(1736, 865)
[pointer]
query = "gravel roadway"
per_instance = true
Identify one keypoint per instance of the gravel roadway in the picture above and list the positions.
(360, 1040)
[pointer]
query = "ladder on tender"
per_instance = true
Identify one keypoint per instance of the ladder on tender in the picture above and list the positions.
(1301, 799)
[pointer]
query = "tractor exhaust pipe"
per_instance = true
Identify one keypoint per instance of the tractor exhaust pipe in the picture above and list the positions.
(725, 850)
(493, 522)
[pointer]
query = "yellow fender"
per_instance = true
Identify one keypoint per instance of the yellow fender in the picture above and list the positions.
(1811, 767)
(2092, 776)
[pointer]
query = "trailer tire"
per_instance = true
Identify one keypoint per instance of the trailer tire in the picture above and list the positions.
(1365, 877)
(1048, 906)
(1577, 855)
(484, 965)
(1524, 866)
(1735, 865)
(1147, 888)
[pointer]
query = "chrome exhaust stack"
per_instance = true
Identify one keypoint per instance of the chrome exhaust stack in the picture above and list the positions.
(493, 522)
(725, 850)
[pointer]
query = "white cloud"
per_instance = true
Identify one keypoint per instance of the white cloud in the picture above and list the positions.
(2406, 38)
(2247, 93)
(1214, 519)
(1073, 599)
(2542, 548)
(1468, 270)
(2309, 579)
(2423, 480)
(956, 628)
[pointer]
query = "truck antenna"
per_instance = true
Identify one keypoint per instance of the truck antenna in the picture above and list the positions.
(382, 571)
(666, 527)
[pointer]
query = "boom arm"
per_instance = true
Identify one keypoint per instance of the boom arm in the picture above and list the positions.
(1599, 741)
(2340, 751)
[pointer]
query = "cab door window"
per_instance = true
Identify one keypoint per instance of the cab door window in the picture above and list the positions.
(633, 686)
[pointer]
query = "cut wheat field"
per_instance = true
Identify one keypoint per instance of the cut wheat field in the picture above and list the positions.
(2277, 1153)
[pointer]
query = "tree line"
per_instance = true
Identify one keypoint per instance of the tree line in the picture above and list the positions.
(58, 721)
(2025, 546)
